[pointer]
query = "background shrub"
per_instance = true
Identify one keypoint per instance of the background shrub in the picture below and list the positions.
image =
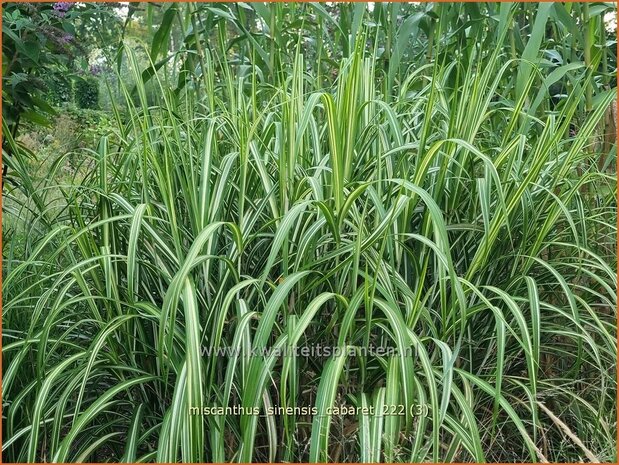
(87, 93)
(59, 89)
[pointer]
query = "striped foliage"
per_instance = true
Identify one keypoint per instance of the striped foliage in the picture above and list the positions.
(447, 211)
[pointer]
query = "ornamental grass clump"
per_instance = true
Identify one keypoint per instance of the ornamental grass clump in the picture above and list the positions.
(440, 217)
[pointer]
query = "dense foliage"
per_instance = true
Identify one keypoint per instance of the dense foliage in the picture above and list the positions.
(87, 93)
(438, 180)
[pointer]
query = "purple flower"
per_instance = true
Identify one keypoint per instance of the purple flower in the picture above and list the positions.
(65, 39)
(61, 8)
(95, 70)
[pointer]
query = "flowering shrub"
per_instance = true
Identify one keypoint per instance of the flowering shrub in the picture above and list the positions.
(40, 46)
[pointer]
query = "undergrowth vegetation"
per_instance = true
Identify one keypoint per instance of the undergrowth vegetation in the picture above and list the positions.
(451, 211)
